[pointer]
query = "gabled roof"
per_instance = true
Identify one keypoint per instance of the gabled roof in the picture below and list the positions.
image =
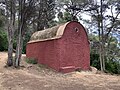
(48, 34)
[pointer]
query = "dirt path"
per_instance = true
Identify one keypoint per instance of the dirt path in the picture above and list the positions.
(32, 77)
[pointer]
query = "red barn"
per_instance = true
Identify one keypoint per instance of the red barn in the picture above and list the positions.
(64, 48)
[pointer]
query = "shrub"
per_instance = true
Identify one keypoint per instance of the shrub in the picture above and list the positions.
(26, 39)
(3, 41)
(42, 66)
(31, 60)
(94, 60)
(113, 66)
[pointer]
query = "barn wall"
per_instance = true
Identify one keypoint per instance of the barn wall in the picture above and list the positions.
(32, 50)
(75, 47)
(46, 52)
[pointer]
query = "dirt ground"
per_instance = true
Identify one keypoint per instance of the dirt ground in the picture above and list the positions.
(33, 77)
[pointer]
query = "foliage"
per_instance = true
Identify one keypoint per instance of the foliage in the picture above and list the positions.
(113, 66)
(26, 39)
(44, 13)
(31, 60)
(3, 41)
(3, 34)
(94, 60)
(64, 17)
(36, 13)
(112, 57)
(2, 19)
(52, 23)
(74, 7)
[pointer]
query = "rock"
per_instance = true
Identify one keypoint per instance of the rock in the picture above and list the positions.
(93, 70)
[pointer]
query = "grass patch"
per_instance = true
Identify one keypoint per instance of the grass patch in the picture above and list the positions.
(31, 60)
(42, 66)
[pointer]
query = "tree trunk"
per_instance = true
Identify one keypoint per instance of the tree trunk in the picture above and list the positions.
(20, 34)
(18, 50)
(10, 47)
(102, 36)
(100, 49)
(40, 24)
(11, 29)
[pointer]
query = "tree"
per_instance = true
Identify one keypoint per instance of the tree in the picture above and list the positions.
(45, 13)
(105, 23)
(112, 57)
(73, 7)
(25, 12)
(22, 13)
(64, 17)
(10, 16)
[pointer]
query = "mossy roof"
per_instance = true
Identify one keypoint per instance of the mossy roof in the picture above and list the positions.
(48, 34)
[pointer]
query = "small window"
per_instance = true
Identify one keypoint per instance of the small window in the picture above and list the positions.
(76, 29)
